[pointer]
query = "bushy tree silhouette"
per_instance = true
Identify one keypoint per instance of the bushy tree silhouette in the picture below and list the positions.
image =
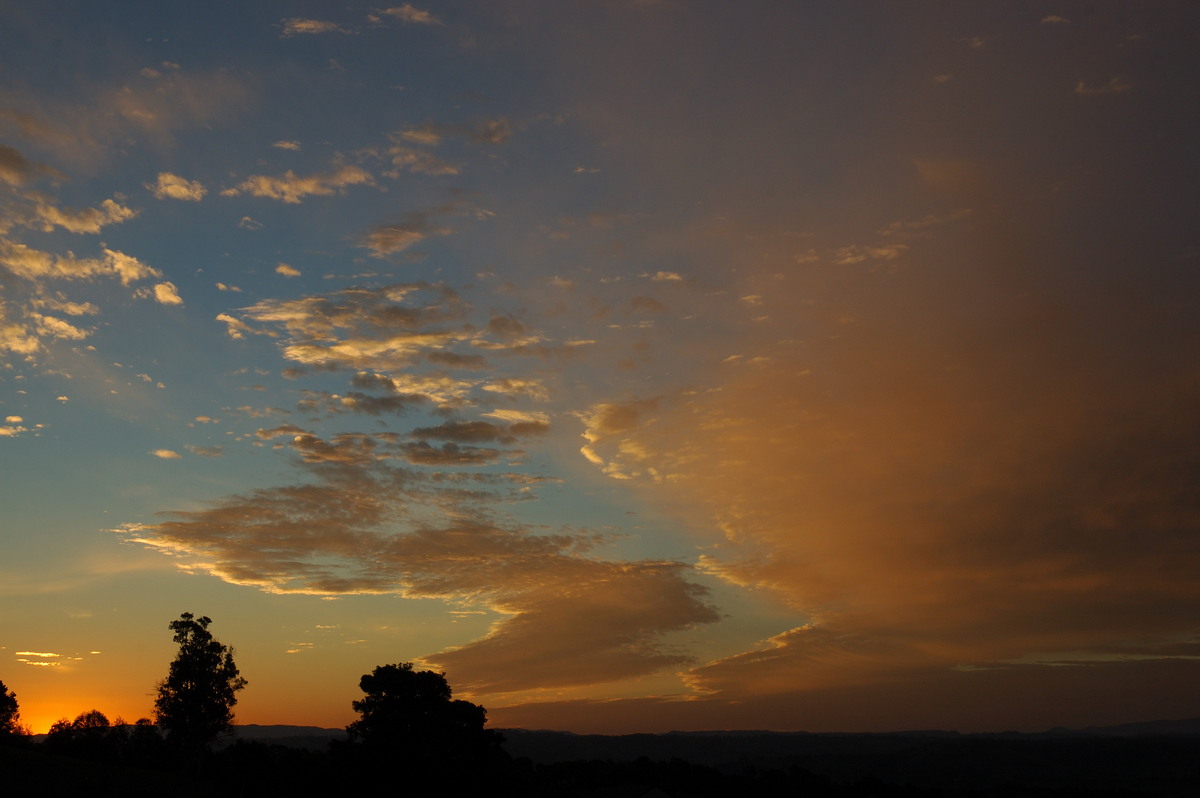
(89, 736)
(195, 702)
(9, 714)
(412, 715)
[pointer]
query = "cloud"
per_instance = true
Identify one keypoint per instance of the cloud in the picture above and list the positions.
(85, 220)
(66, 306)
(936, 485)
(489, 131)
(357, 402)
(292, 145)
(849, 255)
(426, 135)
(566, 619)
(483, 131)
(422, 514)
(166, 454)
(292, 189)
(297, 26)
(608, 421)
(647, 304)
(128, 268)
(167, 294)
(55, 328)
(418, 161)
(237, 329)
(1053, 19)
(146, 110)
(15, 168)
(456, 360)
(287, 271)
(389, 238)
(603, 621)
(42, 659)
(36, 265)
(169, 186)
(466, 432)
(385, 330)
(411, 15)
(450, 455)
(517, 386)
(1115, 86)
(283, 429)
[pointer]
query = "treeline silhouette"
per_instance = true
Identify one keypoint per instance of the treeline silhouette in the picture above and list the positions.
(413, 737)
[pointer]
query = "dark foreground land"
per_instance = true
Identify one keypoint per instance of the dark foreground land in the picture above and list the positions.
(1151, 761)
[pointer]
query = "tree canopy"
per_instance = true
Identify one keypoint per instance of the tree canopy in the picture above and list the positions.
(9, 713)
(412, 713)
(195, 702)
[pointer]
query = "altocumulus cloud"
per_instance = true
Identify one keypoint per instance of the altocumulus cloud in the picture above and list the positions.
(419, 514)
(33, 277)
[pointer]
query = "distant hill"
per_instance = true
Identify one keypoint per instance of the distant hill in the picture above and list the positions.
(1186, 726)
(312, 738)
(722, 747)
(1141, 759)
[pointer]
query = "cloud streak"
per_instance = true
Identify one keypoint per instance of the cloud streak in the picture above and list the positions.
(293, 189)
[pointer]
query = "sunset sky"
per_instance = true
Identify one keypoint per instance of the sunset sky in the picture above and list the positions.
(640, 364)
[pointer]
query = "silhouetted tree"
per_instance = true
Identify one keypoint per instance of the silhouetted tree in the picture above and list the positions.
(9, 714)
(411, 715)
(195, 702)
(89, 736)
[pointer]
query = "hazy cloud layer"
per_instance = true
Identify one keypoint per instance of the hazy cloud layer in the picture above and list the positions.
(933, 489)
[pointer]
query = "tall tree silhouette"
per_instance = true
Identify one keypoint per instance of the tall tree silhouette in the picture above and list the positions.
(195, 702)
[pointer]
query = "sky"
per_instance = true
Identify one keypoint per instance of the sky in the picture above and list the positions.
(640, 365)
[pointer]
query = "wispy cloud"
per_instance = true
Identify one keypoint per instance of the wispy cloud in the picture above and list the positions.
(1115, 86)
(291, 188)
(15, 168)
(391, 237)
(409, 14)
(295, 26)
